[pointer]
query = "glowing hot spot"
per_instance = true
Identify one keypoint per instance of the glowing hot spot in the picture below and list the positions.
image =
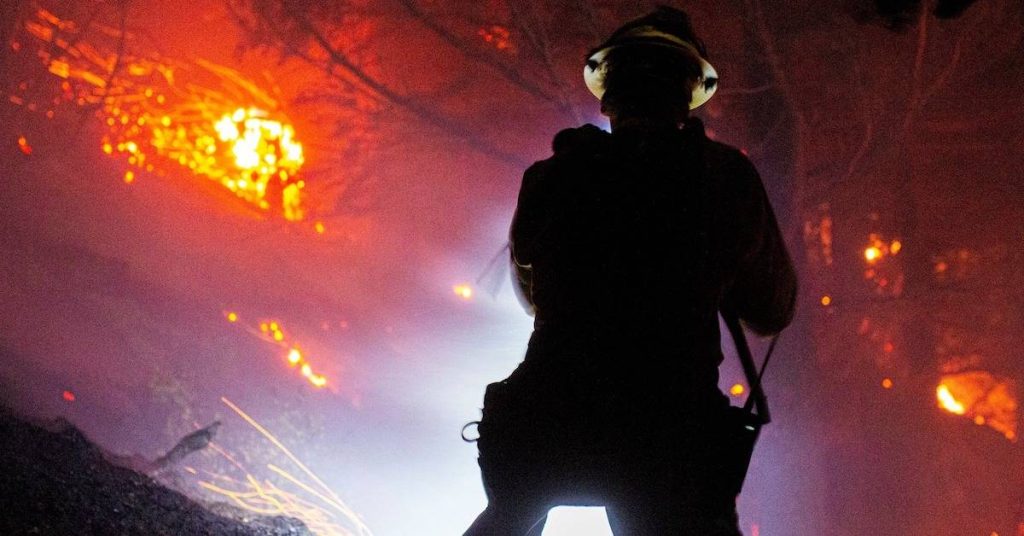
(463, 291)
(947, 401)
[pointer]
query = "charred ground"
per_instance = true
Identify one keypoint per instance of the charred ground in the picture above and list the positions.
(55, 481)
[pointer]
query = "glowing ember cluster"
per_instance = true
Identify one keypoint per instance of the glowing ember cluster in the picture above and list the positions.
(981, 397)
(271, 331)
(497, 36)
(155, 114)
(886, 277)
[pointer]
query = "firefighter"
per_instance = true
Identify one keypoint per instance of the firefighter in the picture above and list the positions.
(626, 246)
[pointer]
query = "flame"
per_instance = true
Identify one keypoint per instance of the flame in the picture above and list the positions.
(947, 401)
(737, 389)
(981, 397)
(154, 121)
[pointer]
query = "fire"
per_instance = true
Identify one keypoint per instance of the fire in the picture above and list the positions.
(265, 155)
(981, 397)
(947, 401)
(156, 118)
(737, 389)
(271, 331)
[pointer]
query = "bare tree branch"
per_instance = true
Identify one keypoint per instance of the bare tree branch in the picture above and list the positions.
(475, 54)
(426, 114)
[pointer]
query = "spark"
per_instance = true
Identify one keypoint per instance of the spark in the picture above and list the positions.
(737, 389)
(872, 254)
(267, 498)
(826, 300)
(887, 383)
(68, 396)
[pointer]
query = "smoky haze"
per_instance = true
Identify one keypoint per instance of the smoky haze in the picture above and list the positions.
(132, 308)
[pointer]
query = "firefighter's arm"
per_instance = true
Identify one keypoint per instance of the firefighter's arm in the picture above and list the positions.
(763, 292)
(528, 225)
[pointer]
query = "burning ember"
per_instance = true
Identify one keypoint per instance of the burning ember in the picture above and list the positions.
(272, 332)
(981, 397)
(155, 115)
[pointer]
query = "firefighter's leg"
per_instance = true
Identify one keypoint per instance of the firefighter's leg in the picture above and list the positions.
(519, 519)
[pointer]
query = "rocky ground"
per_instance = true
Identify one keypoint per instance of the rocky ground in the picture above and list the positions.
(54, 481)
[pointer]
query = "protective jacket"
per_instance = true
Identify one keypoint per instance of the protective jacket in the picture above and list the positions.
(639, 239)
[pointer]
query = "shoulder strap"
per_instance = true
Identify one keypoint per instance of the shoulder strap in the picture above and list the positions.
(757, 397)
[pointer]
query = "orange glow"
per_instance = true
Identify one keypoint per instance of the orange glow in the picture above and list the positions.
(265, 154)
(229, 132)
(826, 300)
(982, 397)
(872, 254)
(737, 389)
(948, 402)
(68, 396)
(463, 291)
(319, 227)
(129, 177)
(887, 383)
(271, 331)
(895, 246)
(24, 146)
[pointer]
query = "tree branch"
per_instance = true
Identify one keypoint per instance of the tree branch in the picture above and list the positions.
(476, 55)
(426, 114)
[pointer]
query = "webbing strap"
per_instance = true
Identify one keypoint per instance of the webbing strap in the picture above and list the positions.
(757, 398)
